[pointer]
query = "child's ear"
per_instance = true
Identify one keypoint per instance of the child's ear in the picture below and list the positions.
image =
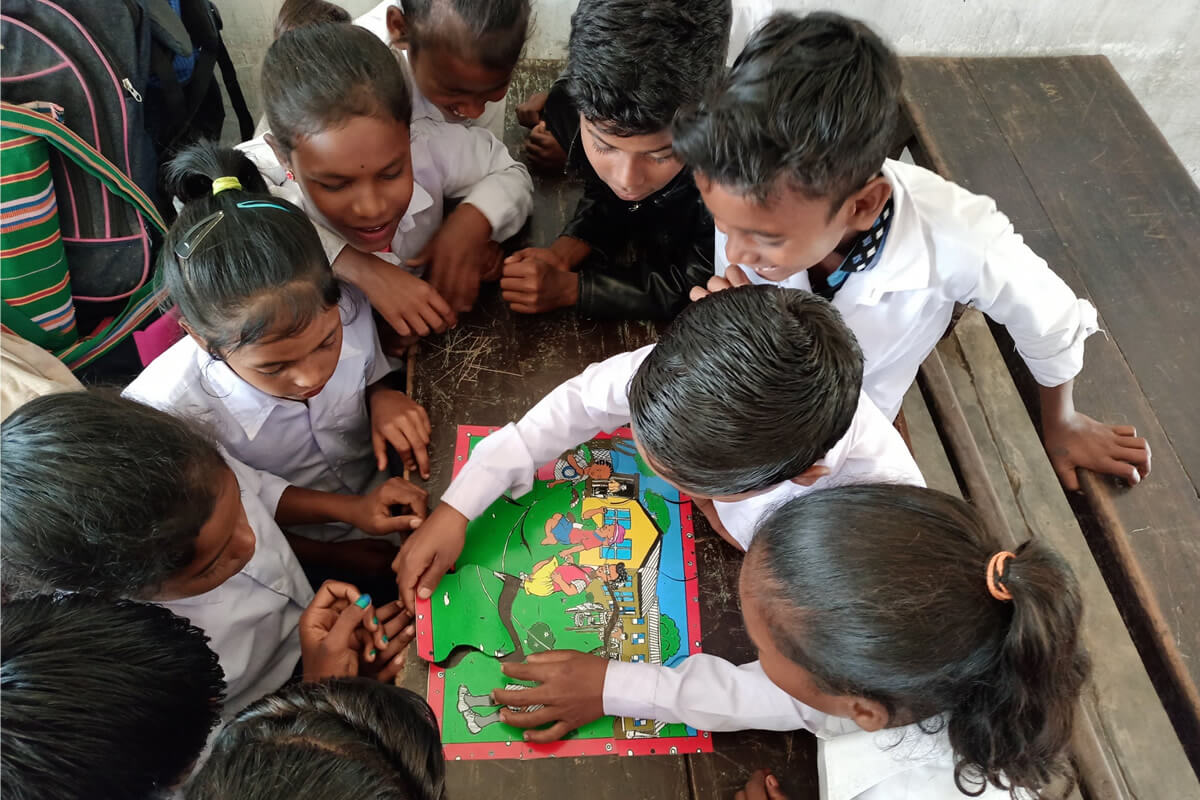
(397, 26)
(867, 203)
(811, 475)
(870, 715)
(277, 149)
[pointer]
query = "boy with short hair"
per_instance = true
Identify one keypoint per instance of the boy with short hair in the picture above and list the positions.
(750, 397)
(640, 237)
(458, 55)
(102, 698)
(790, 155)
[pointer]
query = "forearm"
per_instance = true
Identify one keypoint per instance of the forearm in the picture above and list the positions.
(358, 268)
(299, 506)
(1057, 402)
(572, 250)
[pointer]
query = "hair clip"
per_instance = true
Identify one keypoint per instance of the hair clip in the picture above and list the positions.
(186, 247)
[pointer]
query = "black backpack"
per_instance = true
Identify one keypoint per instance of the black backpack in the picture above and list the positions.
(109, 65)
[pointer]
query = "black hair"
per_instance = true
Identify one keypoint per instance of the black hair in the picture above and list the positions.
(880, 592)
(299, 13)
(102, 698)
(811, 100)
(632, 64)
(101, 494)
(319, 76)
(260, 272)
(747, 388)
(341, 739)
(489, 32)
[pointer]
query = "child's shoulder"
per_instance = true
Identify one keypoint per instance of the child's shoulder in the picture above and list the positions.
(948, 213)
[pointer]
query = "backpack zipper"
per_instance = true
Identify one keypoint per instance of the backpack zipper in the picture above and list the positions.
(128, 84)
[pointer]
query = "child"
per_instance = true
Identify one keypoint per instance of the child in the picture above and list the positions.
(283, 364)
(458, 55)
(796, 176)
(891, 623)
(106, 496)
(299, 13)
(641, 237)
(342, 147)
(102, 698)
(748, 398)
(340, 739)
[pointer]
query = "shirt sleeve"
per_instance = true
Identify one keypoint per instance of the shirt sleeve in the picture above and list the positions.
(595, 400)
(1017, 288)
(707, 693)
(476, 166)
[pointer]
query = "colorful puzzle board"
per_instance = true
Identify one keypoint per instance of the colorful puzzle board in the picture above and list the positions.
(617, 577)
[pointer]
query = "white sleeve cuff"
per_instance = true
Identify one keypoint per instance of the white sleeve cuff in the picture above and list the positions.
(629, 690)
(1057, 368)
(500, 463)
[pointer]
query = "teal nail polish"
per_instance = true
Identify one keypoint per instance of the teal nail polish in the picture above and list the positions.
(363, 601)
(373, 651)
(374, 620)
(385, 638)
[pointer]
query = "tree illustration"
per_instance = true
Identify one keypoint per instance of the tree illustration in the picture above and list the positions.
(668, 637)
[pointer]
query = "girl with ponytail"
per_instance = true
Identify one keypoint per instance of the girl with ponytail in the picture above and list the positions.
(890, 622)
(283, 363)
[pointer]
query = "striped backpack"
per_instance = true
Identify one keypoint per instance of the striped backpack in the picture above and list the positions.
(38, 289)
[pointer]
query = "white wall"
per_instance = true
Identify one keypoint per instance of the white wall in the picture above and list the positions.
(1154, 44)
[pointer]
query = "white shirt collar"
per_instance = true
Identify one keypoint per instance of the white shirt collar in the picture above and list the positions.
(905, 264)
(250, 406)
(853, 761)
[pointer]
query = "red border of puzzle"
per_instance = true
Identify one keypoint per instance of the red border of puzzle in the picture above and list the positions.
(675, 745)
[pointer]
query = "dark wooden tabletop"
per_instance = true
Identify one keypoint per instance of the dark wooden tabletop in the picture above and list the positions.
(489, 371)
(1072, 158)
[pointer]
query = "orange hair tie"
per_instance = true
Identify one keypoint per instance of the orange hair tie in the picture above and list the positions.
(996, 570)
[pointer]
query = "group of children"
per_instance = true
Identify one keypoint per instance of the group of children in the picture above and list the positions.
(208, 544)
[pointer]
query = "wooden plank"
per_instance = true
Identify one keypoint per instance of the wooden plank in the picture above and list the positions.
(1130, 738)
(927, 447)
(1145, 537)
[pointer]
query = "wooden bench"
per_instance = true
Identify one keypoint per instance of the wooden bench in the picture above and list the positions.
(1070, 156)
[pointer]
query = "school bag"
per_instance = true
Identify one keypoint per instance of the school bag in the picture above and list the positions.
(133, 84)
(37, 281)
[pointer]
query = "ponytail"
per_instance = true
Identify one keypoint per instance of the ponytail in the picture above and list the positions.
(1011, 728)
(882, 592)
(257, 271)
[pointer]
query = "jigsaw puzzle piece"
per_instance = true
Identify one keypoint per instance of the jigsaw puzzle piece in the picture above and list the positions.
(472, 607)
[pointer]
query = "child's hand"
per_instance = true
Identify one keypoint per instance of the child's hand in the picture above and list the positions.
(373, 510)
(397, 420)
(329, 631)
(385, 660)
(457, 256)
(493, 261)
(1076, 440)
(571, 693)
(529, 113)
(543, 150)
(734, 276)
(428, 553)
(411, 306)
(761, 786)
(536, 280)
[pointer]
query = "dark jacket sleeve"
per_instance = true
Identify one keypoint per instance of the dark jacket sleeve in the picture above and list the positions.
(655, 285)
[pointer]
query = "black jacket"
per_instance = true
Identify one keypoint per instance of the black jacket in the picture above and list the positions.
(646, 256)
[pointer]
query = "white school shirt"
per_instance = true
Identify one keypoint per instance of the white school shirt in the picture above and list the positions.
(447, 161)
(252, 619)
(323, 444)
(948, 245)
(709, 693)
(598, 400)
(492, 118)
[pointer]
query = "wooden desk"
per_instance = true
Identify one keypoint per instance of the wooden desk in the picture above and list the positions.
(489, 371)
(1070, 156)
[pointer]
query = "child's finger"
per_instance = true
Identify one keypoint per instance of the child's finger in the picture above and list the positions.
(774, 790)
(1126, 472)
(330, 592)
(398, 523)
(420, 449)
(718, 284)
(551, 734)
(389, 672)
(527, 719)
(697, 293)
(736, 276)
(379, 445)
(1067, 476)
